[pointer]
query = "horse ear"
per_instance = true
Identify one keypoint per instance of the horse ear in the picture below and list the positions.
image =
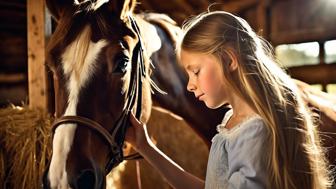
(58, 7)
(122, 7)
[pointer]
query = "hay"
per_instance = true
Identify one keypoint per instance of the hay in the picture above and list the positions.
(2, 166)
(24, 141)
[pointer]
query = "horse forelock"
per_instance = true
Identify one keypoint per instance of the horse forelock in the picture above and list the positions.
(89, 5)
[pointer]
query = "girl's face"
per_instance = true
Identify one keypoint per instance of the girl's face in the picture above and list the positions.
(206, 78)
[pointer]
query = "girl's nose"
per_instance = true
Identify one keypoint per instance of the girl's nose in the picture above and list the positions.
(190, 86)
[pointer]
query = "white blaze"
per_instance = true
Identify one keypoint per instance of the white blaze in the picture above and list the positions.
(78, 77)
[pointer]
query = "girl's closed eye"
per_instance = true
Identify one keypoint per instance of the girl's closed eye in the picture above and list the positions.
(195, 71)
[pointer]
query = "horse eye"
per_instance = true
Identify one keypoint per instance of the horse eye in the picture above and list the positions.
(121, 63)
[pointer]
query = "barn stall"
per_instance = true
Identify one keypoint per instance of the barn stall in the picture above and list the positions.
(302, 32)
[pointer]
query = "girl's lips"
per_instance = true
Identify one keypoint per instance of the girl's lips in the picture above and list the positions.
(200, 96)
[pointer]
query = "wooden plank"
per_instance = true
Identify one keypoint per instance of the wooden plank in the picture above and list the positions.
(12, 78)
(239, 5)
(198, 6)
(314, 74)
(13, 45)
(262, 17)
(13, 94)
(12, 4)
(302, 21)
(37, 77)
(183, 6)
(290, 37)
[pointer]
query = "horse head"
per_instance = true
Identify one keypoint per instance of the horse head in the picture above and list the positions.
(100, 72)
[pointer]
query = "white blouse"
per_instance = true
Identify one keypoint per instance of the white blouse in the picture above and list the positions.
(237, 158)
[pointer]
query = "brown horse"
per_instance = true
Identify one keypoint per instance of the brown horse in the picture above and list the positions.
(99, 56)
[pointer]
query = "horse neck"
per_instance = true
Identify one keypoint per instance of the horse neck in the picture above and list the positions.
(197, 115)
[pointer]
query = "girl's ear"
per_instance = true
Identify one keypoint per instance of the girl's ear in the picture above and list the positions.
(232, 60)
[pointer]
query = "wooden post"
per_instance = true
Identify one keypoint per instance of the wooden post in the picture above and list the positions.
(262, 19)
(238, 6)
(37, 76)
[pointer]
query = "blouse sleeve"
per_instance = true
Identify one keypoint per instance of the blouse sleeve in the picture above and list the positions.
(247, 154)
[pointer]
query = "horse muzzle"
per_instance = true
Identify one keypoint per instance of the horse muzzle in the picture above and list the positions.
(86, 179)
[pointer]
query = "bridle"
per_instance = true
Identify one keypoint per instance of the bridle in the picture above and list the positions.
(135, 93)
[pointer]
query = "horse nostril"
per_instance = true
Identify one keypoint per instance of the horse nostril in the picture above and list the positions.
(86, 180)
(45, 181)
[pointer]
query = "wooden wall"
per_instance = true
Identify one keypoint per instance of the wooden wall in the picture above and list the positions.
(299, 21)
(13, 51)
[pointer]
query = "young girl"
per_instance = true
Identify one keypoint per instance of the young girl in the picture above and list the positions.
(268, 138)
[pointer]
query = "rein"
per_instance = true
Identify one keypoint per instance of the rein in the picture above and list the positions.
(134, 93)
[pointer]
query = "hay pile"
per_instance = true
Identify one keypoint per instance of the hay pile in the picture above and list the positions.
(24, 141)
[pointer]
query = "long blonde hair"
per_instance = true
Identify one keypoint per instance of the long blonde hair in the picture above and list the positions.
(296, 158)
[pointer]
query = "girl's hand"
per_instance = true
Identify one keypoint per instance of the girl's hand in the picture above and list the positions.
(137, 134)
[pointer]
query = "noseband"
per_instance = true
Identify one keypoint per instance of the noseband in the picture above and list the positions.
(134, 93)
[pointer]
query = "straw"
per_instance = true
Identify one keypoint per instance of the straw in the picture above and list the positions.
(24, 142)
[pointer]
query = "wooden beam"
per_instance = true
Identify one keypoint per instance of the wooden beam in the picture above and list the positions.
(37, 77)
(302, 36)
(14, 94)
(314, 74)
(184, 6)
(198, 6)
(15, 5)
(239, 5)
(262, 17)
(12, 78)
(302, 21)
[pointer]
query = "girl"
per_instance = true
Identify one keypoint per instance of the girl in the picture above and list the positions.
(268, 138)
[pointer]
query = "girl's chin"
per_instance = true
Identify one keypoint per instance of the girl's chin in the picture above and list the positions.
(212, 106)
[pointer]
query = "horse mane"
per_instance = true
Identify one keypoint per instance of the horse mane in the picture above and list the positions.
(58, 37)
(169, 27)
(64, 34)
(164, 22)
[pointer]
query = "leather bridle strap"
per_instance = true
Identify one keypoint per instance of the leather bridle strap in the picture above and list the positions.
(141, 71)
(88, 123)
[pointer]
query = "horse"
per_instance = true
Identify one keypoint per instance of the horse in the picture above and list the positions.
(106, 62)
